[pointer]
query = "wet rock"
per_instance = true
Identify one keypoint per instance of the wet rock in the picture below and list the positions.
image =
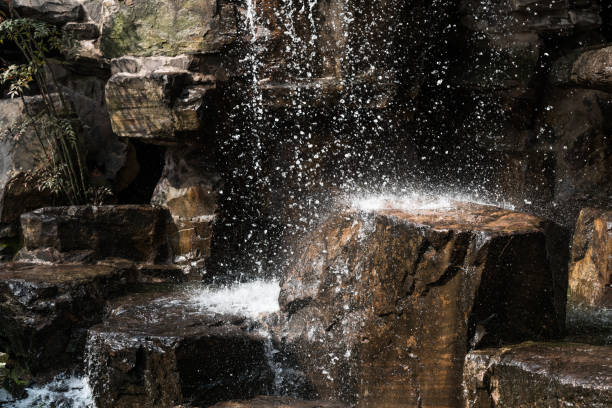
(82, 31)
(87, 233)
(588, 68)
(55, 11)
(552, 17)
(148, 273)
(162, 27)
(539, 375)
(380, 300)
(159, 350)
(574, 124)
(590, 272)
(18, 154)
(45, 310)
(163, 105)
(279, 402)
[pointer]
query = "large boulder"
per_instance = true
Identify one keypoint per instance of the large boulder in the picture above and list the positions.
(189, 189)
(589, 311)
(158, 101)
(90, 233)
(383, 303)
(45, 310)
(159, 350)
(19, 154)
(539, 375)
(590, 68)
(574, 127)
(163, 27)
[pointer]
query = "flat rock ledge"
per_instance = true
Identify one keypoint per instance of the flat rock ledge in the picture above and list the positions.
(539, 375)
(85, 234)
(158, 350)
(383, 305)
(279, 402)
(45, 310)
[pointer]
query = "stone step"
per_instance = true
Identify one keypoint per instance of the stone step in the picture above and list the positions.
(387, 298)
(80, 234)
(539, 375)
(162, 349)
(279, 402)
(45, 310)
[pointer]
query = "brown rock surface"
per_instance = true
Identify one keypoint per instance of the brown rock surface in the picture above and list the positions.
(534, 375)
(89, 233)
(586, 68)
(590, 272)
(46, 310)
(383, 305)
(157, 100)
(158, 350)
(278, 402)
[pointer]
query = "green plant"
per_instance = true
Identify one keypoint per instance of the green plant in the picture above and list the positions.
(56, 127)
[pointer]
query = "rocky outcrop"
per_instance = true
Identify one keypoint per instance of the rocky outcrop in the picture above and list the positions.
(574, 127)
(279, 402)
(163, 27)
(45, 311)
(55, 11)
(159, 350)
(590, 271)
(164, 104)
(380, 300)
(590, 68)
(90, 233)
(19, 153)
(189, 188)
(539, 375)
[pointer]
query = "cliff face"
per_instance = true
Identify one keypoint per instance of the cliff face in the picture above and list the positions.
(262, 109)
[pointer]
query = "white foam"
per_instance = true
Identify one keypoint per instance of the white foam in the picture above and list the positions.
(62, 392)
(416, 201)
(249, 299)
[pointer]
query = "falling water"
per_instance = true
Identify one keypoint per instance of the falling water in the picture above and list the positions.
(64, 391)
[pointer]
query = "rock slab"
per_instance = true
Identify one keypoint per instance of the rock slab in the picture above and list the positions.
(89, 233)
(45, 310)
(158, 351)
(383, 304)
(590, 273)
(539, 375)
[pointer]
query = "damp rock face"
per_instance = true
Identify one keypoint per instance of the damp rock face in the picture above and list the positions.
(590, 272)
(539, 375)
(164, 27)
(45, 310)
(89, 233)
(587, 68)
(381, 299)
(279, 402)
(157, 351)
